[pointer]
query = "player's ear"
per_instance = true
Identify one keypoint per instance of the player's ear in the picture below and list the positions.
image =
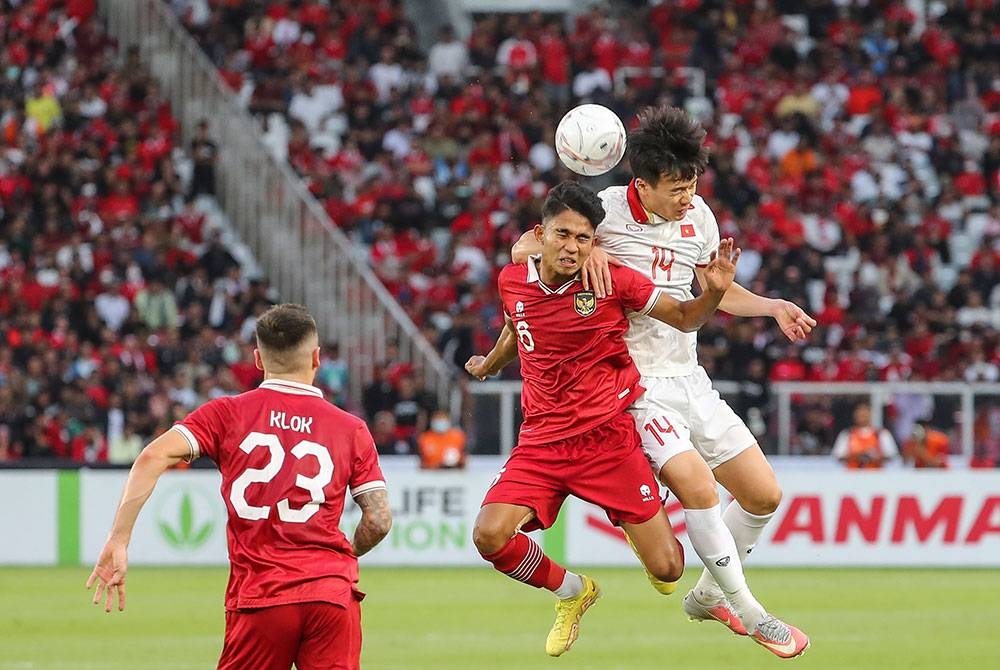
(315, 359)
(539, 231)
(257, 360)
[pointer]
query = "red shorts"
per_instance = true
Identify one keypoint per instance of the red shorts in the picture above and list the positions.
(313, 636)
(604, 466)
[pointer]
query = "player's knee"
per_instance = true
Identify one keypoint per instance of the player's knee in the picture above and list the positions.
(764, 501)
(698, 494)
(490, 536)
(667, 567)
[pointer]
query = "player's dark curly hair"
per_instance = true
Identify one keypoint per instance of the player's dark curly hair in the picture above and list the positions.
(282, 328)
(574, 196)
(667, 143)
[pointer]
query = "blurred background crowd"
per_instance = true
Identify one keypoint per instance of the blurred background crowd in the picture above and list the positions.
(855, 156)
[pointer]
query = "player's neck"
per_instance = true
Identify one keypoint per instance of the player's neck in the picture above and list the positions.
(650, 214)
(551, 277)
(298, 377)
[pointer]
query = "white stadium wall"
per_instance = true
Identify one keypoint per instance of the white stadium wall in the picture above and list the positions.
(828, 517)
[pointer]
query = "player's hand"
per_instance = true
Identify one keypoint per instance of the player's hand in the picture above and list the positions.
(793, 320)
(721, 269)
(109, 575)
(476, 366)
(596, 272)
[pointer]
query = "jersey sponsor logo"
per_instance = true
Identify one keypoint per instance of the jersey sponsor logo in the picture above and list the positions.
(687, 230)
(585, 303)
(634, 228)
(518, 308)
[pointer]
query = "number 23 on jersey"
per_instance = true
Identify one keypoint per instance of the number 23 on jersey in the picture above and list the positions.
(314, 485)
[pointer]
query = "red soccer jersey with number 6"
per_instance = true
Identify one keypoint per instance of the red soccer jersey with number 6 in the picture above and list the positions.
(287, 458)
(577, 371)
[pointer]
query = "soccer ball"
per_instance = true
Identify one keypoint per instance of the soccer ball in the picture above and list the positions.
(590, 140)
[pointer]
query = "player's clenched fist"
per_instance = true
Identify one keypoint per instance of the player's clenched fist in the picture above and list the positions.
(721, 269)
(476, 366)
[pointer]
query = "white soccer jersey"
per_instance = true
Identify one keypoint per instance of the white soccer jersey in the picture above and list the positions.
(666, 252)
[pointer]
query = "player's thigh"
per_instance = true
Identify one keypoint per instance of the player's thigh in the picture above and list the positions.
(657, 546)
(750, 479)
(663, 430)
(264, 639)
(611, 471)
(689, 478)
(532, 478)
(331, 637)
(717, 432)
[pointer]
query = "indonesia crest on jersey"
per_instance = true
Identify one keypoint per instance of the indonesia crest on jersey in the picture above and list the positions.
(667, 252)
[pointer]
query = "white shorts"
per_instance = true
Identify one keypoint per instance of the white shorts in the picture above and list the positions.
(677, 414)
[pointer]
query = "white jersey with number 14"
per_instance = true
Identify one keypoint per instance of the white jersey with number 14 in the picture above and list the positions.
(667, 252)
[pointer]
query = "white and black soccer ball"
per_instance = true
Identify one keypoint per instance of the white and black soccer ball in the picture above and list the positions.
(590, 140)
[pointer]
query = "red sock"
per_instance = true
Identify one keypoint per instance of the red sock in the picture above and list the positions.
(523, 560)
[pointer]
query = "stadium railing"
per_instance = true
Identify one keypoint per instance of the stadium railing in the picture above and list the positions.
(962, 401)
(305, 256)
(495, 422)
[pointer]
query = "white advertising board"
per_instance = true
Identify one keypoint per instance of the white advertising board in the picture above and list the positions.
(28, 520)
(828, 517)
(841, 518)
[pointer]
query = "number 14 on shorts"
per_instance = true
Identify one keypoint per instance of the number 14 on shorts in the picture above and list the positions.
(659, 428)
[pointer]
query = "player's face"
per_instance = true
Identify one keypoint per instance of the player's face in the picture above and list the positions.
(670, 198)
(567, 240)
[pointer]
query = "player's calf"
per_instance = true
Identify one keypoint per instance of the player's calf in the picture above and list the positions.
(666, 587)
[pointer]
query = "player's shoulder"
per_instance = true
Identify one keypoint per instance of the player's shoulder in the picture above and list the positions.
(615, 202)
(624, 272)
(513, 274)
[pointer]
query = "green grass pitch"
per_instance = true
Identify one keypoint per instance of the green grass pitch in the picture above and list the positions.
(441, 619)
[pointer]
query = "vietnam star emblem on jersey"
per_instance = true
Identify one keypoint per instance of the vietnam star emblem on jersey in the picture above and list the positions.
(585, 303)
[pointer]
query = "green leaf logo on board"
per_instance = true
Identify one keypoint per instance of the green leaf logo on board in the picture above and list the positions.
(185, 519)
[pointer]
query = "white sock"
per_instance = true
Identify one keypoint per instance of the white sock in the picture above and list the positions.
(746, 529)
(571, 586)
(715, 546)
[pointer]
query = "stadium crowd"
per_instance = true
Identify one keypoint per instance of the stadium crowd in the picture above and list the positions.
(855, 156)
(855, 146)
(120, 307)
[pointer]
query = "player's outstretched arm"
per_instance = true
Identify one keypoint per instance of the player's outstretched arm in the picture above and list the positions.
(162, 453)
(690, 315)
(525, 246)
(795, 323)
(503, 352)
(376, 520)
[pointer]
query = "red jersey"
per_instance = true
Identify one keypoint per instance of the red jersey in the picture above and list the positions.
(287, 457)
(577, 371)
